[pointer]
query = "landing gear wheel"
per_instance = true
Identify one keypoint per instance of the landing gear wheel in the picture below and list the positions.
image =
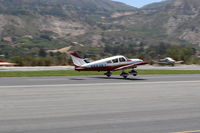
(124, 75)
(133, 72)
(108, 74)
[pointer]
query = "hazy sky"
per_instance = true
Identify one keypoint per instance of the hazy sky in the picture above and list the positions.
(138, 3)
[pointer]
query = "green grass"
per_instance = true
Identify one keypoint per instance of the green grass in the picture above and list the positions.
(75, 73)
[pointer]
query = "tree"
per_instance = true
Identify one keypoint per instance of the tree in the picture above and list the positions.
(42, 53)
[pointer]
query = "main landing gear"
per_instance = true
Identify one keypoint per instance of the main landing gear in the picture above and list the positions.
(125, 75)
(133, 72)
(108, 74)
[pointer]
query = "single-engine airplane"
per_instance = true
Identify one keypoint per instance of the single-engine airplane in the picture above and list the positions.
(167, 61)
(110, 64)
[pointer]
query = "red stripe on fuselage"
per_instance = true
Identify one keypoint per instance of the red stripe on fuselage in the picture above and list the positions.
(107, 68)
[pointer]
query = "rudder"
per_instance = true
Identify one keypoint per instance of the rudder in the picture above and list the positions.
(77, 59)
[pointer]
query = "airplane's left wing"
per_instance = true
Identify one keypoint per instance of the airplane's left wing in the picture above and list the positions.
(131, 66)
(179, 62)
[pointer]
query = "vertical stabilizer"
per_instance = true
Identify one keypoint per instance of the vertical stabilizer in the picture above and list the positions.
(77, 59)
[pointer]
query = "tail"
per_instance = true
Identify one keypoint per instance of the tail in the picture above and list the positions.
(77, 59)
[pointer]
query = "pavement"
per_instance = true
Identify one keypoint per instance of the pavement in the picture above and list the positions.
(95, 104)
(144, 67)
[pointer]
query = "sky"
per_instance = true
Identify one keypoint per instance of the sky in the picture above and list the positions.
(138, 3)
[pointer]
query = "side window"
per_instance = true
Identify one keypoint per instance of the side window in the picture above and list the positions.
(109, 62)
(122, 59)
(115, 60)
(86, 61)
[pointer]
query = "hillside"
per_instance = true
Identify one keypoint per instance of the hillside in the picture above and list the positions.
(30, 25)
(180, 19)
(63, 17)
(26, 26)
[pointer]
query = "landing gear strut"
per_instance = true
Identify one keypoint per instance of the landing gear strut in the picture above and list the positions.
(108, 74)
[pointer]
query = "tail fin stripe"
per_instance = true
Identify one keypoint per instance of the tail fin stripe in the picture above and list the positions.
(75, 54)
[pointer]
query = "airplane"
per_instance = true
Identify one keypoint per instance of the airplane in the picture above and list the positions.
(110, 64)
(167, 61)
(4, 63)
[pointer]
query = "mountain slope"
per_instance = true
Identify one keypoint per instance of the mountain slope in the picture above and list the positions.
(178, 18)
(61, 8)
(30, 25)
(63, 17)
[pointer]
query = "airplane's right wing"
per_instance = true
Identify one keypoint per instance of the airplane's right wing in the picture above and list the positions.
(131, 66)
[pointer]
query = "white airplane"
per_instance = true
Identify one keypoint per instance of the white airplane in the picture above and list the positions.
(110, 64)
(4, 63)
(167, 61)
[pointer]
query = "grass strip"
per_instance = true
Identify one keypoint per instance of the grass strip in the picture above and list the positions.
(75, 73)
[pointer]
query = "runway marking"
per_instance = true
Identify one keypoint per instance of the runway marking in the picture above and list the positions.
(196, 131)
(100, 84)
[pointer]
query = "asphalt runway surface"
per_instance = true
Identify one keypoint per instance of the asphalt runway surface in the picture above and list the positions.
(95, 104)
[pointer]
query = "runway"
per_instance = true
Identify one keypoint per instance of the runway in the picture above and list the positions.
(95, 104)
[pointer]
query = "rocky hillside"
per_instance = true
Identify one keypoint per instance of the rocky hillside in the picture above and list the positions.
(29, 25)
(63, 17)
(178, 19)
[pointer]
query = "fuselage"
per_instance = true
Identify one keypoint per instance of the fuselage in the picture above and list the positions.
(108, 64)
(168, 61)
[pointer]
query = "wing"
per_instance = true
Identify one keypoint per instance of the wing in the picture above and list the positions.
(131, 66)
(160, 63)
(179, 62)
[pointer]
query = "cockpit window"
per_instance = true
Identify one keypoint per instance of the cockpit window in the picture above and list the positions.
(115, 60)
(122, 59)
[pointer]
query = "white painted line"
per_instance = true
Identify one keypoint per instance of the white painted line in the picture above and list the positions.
(101, 84)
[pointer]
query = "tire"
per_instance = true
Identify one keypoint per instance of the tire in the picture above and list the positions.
(108, 76)
(125, 77)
